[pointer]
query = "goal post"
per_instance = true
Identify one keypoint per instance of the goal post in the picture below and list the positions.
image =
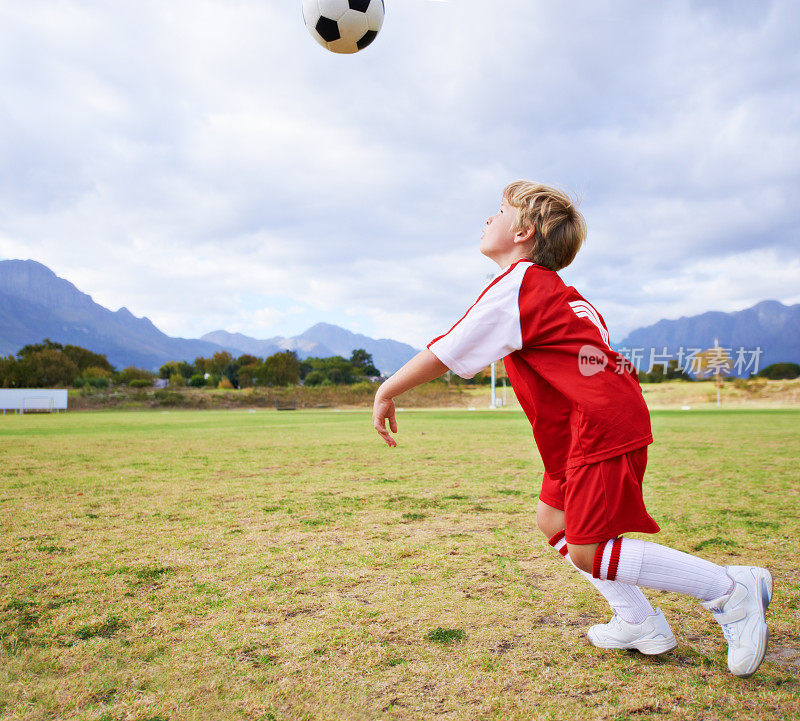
(43, 404)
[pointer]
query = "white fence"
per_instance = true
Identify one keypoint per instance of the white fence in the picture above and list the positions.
(21, 400)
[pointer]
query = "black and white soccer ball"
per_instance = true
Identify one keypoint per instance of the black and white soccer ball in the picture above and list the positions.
(343, 26)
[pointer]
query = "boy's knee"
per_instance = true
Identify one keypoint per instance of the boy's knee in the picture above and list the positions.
(583, 555)
(550, 520)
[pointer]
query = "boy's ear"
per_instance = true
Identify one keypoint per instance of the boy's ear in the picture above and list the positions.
(524, 235)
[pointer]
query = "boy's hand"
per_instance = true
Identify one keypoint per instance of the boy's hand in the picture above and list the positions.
(423, 367)
(382, 409)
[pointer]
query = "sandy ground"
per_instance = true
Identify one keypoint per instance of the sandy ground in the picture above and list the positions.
(756, 393)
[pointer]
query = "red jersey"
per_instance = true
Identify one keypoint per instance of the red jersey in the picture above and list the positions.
(582, 398)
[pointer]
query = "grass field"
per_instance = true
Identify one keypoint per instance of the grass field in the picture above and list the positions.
(262, 565)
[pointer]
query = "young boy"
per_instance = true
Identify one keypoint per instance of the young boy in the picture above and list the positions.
(591, 426)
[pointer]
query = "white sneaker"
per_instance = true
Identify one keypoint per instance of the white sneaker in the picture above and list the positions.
(651, 636)
(742, 615)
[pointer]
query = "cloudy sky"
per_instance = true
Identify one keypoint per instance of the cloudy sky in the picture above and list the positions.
(205, 163)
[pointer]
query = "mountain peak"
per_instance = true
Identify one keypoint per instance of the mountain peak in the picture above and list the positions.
(769, 325)
(36, 283)
(37, 304)
(773, 307)
(33, 266)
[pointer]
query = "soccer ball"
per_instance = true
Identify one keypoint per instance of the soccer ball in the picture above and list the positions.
(343, 26)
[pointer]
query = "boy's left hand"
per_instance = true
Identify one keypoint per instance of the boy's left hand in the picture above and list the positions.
(383, 409)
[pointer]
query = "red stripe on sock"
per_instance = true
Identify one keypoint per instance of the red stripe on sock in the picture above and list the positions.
(598, 560)
(613, 562)
(563, 550)
(555, 539)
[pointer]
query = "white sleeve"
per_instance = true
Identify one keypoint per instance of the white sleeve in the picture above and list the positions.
(489, 330)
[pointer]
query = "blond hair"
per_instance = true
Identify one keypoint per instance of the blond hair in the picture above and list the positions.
(560, 228)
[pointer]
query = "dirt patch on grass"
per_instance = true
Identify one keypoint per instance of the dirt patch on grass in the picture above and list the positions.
(784, 655)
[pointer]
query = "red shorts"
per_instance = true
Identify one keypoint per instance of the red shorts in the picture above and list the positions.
(601, 500)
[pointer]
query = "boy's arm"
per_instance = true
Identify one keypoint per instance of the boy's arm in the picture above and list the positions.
(423, 367)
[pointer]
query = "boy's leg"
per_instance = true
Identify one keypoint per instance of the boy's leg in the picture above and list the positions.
(626, 601)
(738, 596)
(604, 500)
(644, 628)
(652, 565)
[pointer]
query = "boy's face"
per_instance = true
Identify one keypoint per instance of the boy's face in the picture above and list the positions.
(497, 240)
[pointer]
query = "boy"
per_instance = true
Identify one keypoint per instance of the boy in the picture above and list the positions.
(591, 426)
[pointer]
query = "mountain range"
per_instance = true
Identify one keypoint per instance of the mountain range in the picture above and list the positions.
(769, 325)
(322, 341)
(36, 304)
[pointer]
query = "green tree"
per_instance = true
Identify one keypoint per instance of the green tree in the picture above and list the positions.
(336, 369)
(280, 369)
(675, 372)
(362, 360)
(202, 365)
(654, 375)
(84, 358)
(182, 368)
(244, 370)
(219, 361)
(45, 369)
(223, 364)
(246, 359)
(248, 375)
(780, 371)
(81, 357)
(8, 372)
(46, 344)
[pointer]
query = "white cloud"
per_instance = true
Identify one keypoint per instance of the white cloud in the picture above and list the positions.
(207, 164)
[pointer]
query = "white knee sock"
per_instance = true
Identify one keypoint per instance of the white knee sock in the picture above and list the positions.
(651, 565)
(626, 601)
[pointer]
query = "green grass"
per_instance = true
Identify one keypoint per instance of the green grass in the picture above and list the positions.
(262, 565)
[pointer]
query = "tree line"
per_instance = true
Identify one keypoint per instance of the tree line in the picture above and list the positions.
(279, 369)
(49, 364)
(53, 365)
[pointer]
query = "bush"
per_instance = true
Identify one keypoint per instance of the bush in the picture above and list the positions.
(98, 382)
(131, 373)
(140, 383)
(780, 371)
(176, 380)
(93, 372)
(168, 398)
(315, 378)
(198, 380)
(226, 384)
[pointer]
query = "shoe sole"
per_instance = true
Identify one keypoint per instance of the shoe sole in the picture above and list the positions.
(765, 588)
(653, 648)
(648, 648)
